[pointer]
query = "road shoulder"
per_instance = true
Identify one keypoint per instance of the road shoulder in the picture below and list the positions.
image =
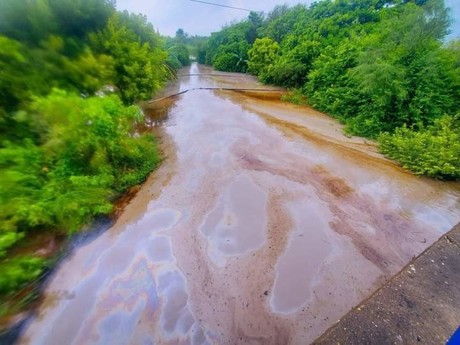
(418, 305)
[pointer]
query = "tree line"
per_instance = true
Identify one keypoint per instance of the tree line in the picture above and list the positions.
(67, 144)
(184, 47)
(381, 67)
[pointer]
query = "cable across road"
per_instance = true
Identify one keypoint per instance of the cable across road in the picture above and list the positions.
(209, 74)
(212, 88)
(220, 5)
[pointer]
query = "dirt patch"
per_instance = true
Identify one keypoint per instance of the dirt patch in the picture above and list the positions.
(336, 185)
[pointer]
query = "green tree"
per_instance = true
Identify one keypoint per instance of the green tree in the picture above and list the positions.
(262, 55)
(13, 84)
(181, 36)
(140, 63)
(33, 21)
(376, 65)
(255, 20)
(178, 51)
(65, 154)
(232, 57)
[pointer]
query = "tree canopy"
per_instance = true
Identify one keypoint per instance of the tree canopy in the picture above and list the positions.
(67, 147)
(379, 66)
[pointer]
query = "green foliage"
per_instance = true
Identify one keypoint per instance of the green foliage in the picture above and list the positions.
(173, 62)
(36, 25)
(375, 65)
(87, 155)
(186, 47)
(432, 151)
(84, 156)
(232, 57)
(65, 154)
(285, 73)
(201, 54)
(282, 20)
(24, 69)
(140, 63)
(19, 271)
(85, 73)
(33, 21)
(8, 239)
(330, 87)
(13, 84)
(227, 50)
(292, 68)
(178, 51)
(255, 21)
(181, 53)
(77, 18)
(21, 176)
(262, 55)
(227, 61)
(401, 73)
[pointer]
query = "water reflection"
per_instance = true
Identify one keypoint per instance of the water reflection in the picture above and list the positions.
(271, 226)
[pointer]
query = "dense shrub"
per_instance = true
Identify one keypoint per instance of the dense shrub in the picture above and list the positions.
(19, 271)
(87, 154)
(432, 151)
(65, 154)
(262, 55)
(377, 66)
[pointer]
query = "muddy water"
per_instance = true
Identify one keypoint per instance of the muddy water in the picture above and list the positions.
(264, 225)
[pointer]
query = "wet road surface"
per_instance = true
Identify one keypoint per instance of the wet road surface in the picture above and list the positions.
(264, 225)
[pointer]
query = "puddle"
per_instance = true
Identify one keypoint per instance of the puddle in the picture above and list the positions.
(264, 225)
(309, 245)
(237, 225)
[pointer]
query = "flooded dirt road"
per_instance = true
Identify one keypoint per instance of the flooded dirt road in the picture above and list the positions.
(264, 225)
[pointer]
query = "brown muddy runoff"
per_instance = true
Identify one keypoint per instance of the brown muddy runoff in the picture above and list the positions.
(264, 225)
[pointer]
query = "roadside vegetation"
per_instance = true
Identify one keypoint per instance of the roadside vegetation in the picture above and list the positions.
(67, 144)
(183, 48)
(381, 67)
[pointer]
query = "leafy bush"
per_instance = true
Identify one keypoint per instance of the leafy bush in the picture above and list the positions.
(140, 62)
(285, 73)
(227, 50)
(373, 66)
(228, 62)
(182, 54)
(262, 55)
(64, 157)
(18, 271)
(8, 239)
(86, 156)
(433, 151)
(232, 57)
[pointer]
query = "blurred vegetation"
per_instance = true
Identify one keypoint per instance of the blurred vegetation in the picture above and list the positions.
(183, 49)
(379, 66)
(179, 54)
(67, 144)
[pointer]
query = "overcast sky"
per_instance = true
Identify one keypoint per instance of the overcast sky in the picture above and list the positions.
(201, 19)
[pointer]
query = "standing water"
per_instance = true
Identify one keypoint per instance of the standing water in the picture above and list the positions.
(264, 225)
